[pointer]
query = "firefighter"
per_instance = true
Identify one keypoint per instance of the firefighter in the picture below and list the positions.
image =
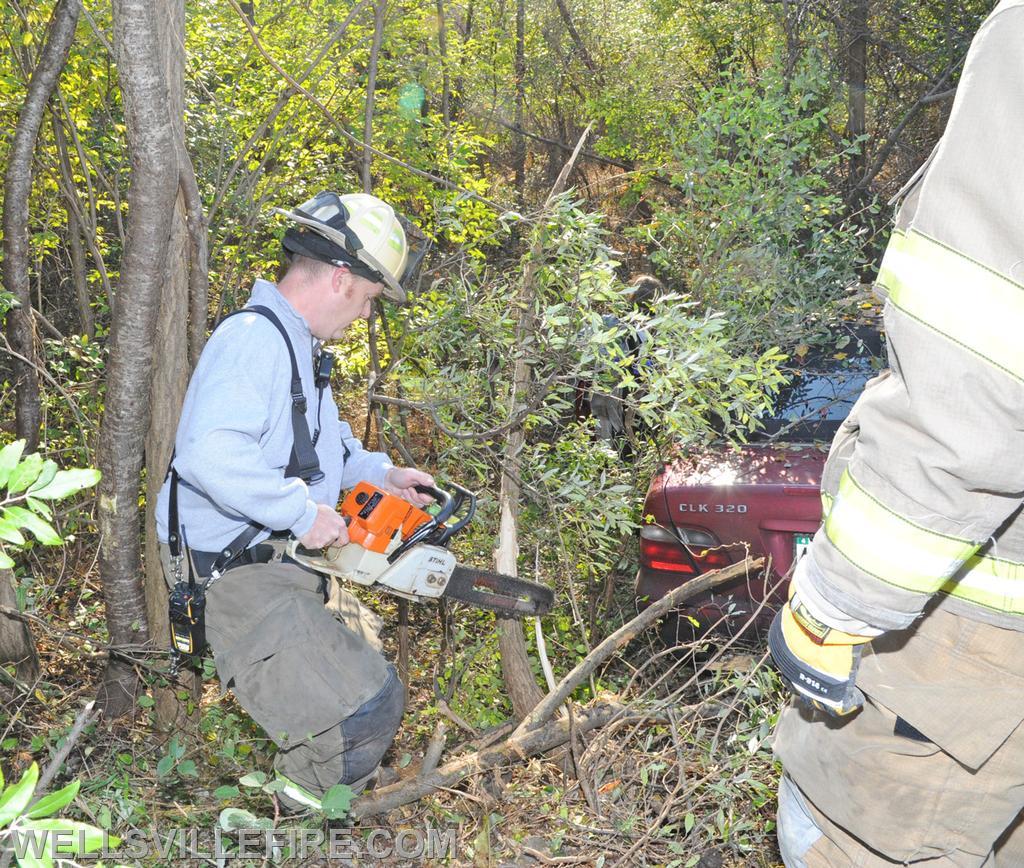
(903, 639)
(261, 455)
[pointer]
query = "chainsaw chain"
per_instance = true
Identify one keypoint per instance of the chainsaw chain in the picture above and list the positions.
(507, 595)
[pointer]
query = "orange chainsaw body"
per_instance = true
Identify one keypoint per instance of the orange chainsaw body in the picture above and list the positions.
(375, 517)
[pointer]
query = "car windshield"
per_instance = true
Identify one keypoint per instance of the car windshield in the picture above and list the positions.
(822, 392)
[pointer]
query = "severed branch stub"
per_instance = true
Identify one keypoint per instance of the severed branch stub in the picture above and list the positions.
(538, 734)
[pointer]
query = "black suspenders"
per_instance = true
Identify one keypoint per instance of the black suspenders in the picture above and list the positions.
(303, 462)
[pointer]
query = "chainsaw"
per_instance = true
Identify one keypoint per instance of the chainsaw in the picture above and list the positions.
(401, 549)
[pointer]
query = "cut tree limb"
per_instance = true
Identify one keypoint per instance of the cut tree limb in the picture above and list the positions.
(626, 633)
(537, 734)
(515, 749)
(515, 662)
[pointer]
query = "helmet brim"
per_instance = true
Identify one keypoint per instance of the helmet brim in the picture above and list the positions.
(392, 288)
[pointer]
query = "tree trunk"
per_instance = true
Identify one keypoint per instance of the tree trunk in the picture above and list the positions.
(856, 76)
(151, 203)
(85, 318)
(177, 332)
(17, 189)
(519, 76)
(371, 89)
(16, 645)
(442, 46)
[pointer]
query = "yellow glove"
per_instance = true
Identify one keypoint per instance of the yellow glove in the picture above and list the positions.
(819, 663)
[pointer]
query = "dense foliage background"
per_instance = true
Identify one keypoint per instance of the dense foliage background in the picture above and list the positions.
(742, 152)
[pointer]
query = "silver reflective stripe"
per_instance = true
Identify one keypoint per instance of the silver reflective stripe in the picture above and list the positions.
(978, 308)
(887, 545)
(298, 794)
(990, 582)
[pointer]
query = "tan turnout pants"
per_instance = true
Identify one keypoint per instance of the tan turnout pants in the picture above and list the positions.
(311, 675)
(931, 771)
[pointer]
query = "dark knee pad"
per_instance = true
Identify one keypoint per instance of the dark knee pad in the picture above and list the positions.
(369, 731)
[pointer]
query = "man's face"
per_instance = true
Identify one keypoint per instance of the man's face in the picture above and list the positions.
(350, 298)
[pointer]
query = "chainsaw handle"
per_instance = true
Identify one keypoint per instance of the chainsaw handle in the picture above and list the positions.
(442, 498)
(461, 496)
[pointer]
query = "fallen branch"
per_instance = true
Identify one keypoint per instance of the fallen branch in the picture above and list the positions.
(626, 633)
(514, 750)
(85, 717)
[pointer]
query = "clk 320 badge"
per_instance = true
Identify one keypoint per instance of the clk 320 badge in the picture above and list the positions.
(713, 507)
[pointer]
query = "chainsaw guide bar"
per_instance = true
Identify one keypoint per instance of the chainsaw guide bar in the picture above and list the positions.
(504, 594)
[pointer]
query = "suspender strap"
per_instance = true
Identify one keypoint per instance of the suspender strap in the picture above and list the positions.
(302, 463)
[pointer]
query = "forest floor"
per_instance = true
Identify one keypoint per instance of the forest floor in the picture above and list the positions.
(685, 779)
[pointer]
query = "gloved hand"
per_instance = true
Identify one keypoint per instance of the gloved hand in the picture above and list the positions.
(819, 663)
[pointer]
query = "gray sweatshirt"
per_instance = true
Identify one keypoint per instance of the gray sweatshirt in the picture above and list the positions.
(235, 434)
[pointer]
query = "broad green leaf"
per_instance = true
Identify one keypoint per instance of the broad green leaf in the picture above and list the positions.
(227, 792)
(49, 805)
(39, 507)
(84, 838)
(30, 860)
(232, 819)
(336, 801)
(46, 475)
(17, 796)
(31, 522)
(164, 766)
(10, 455)
(5, 561)
(253, 779)
(68, 482)
(9, 532)
(187, 769)
(25, 473)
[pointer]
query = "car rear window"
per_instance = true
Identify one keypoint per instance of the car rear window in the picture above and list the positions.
(821, 393)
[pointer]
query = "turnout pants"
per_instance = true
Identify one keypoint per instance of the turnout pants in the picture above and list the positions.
(311, 676)
(929, 772)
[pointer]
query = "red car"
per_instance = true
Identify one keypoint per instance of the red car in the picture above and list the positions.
(708, 510)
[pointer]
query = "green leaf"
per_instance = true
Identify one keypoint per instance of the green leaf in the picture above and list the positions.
(68, 482)
(10, 455)
(164, 766)
(30, 860)
(46, 475)
(233, 819)
(17, 796)
(49, 805)
(688, 823)
(84, 838)
(146, 701)
(253, 779)
(34, 524)
(25, 473)
(187, 769)
(9, 532)
(39, 507)
(5, 561)
(336, 801)
(228, 792)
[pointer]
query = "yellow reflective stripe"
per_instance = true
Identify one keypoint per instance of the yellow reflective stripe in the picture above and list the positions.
(826, 502)
(990, 582)
(960, 298)
(889, 546)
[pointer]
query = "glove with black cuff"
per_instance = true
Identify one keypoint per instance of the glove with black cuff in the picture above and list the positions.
(818, 661)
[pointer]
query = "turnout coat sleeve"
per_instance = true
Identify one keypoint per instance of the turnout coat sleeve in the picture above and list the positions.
(931, 470)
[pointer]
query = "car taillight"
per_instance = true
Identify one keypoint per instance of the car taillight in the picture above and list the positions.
(691, 552)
